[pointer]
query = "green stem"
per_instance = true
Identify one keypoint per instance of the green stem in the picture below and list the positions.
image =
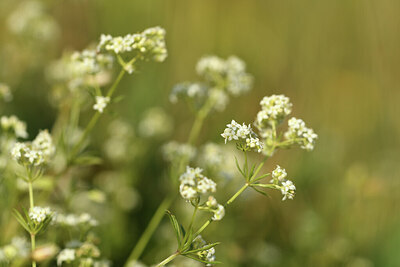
(166, 203)
(193, 216)
(207, 223)
(31, 194)
(33, 242)
(151, 227)
(167, 260)
(95, 118)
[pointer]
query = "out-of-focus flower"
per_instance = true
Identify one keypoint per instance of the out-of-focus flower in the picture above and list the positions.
(5, 92)
(101, 103)
(155, 123)
(66, 255)
(173, 151)
(14, 125)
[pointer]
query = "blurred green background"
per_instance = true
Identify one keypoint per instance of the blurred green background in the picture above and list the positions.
(339, 63)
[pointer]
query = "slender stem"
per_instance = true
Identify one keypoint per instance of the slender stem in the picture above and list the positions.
(151, 227)
(170, 258)
(166, 203)
(193, 216)
(207, 223)
(31, 195)
(33, 243)
(246, 166)
(95, 118)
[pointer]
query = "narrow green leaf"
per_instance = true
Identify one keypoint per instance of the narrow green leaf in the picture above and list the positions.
(238, 167)
(252, 170)
(21, 220)
(207, 247)
(176, 226)
(260, 191)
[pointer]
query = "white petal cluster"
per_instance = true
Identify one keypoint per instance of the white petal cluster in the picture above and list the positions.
(73, 220)
(30, 20)
(212, 156)
(219, 98)
(229, 74)
(188, 90)
(217, 209)
(89, 62)
(207, 255)
(173, 151)
(5, 92)
(244, 134)
(300, 134)
(36, 153)
(155, 123)
(101, 103)
(66, 255)
(149, 44)
(273, 110)
(18, 248)
(193, 183)
(279, 174)
(14, 125)
(38, 214)
(288, 190)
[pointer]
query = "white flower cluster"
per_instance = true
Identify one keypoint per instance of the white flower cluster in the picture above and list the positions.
(36, 153)
(72, 220)
(298, 133)
(150, 44)
(278, 175)
(192, 91)
(273, 110)
(38, 214)
(286, 186)
(101, 103)
(118, 144)
(217, 209)
(89, 62)
(194, 182)
(5, 92)
(155, 123)
(244, 134)
(229, 74)
(29, 19)
(212, 156)
(13, 124)
(173, 151)
(207, 255)
(66, 255)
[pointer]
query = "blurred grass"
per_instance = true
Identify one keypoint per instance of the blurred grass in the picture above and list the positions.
(338, 61)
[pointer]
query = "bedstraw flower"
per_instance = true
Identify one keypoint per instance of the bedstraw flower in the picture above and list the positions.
(101, 103)
(244, 135)
(193, 183)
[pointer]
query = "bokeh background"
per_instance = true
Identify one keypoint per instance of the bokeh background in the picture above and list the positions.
(339, 63)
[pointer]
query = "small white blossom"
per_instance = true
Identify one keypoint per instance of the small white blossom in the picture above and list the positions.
(298, 133)
(279, 174)
(288, 190)
(38, 214)
(273, 110)
(173, 151)
(101, 103)
(66, 255)
(193, 182)
(73, 220)
(15, 125)
(155, 123)
(244, 134)
(44, 143)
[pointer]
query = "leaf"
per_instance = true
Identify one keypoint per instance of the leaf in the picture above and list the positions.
(260, 177)
(21, 220)
(200, 260)
(252, 170)
(260, 191)
(237, 165)
(207, 247)
(87, 160)
(176, 226)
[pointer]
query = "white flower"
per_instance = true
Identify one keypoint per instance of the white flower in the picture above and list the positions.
(279, 174)
(219, 213)
(65, 255)
(298, 133)
(173, 151)
(5, 92)
(155, 123)
(288, 190)
(15, 125)
(39, 214)
(194, 182)
(44, 143)
(273, 110)
(244, 134)
(101, 103)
